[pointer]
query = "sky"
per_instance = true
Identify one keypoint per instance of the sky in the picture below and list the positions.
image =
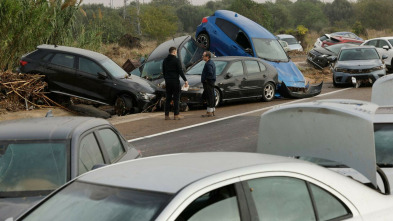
(120, 3)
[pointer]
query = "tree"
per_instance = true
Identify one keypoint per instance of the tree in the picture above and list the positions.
(309, 13)
(339, 11)
(159, 22)
(374, 13)
(254, 11)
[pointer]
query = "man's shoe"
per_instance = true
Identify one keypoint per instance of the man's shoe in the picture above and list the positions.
(208, 114)
(167, 117)
(178, 117)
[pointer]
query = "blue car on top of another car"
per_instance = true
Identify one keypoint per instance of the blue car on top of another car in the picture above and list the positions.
(228, 33)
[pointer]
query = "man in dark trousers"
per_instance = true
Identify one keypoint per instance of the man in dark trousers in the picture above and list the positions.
(208, 79)
(172, 70)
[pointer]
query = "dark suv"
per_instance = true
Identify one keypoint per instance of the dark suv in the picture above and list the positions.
(89, 75)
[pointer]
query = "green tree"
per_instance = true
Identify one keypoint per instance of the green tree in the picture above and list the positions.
(191, 16)
(280, 13)
(309, 13)
(159, 22)
(254, 11)
(374, 13)
(339, 11)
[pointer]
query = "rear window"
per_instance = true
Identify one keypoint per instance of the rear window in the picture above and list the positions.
(64, 60)
(29, 167)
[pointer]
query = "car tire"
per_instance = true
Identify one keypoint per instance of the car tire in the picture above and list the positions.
(217, 98)
(123, 105)
(334, 82)
(269, 90)
(204, 40)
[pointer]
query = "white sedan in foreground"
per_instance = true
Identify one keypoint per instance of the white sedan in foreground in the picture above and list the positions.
(213, 186)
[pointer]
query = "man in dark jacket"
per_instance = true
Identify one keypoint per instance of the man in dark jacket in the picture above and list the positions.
(172, 70)
(208, 79)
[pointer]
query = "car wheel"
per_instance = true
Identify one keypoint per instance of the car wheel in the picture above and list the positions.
(123, 105)
(334, 82)
(217, 97)
(204, 40)
(269, 91)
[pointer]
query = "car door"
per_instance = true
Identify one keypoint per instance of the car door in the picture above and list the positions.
(61, 73)
(90, 84)
(234, 83)
(255, 78)
(89, 153)
(382, 51)
(190, 53)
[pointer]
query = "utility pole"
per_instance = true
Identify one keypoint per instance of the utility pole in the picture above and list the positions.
(124, 9)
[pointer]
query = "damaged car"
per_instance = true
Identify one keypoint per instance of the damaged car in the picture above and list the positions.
(38, 155)
(228, 33)
(89, 75)
(333, 38)
(357, 65)
(188, 52)
(320, 57)
(384, 46)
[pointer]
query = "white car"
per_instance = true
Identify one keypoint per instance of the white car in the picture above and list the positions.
(213, 186)
(384, 46)
(319, 41)
(293, 43)
(353, 133)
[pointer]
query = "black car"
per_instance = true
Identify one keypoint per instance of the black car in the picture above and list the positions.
(188, 52)
(89, 75)
(38, 155)
(318, 56)
(237, 78)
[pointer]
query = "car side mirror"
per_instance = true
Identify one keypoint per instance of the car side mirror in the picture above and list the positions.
(229, 75)
(102, 75)
(332, 58)
(386, 47)
(384, 56)
(248, 51)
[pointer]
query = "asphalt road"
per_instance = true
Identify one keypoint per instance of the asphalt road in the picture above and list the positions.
(235, 128)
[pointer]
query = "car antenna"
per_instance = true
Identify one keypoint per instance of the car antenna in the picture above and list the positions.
(49, 113)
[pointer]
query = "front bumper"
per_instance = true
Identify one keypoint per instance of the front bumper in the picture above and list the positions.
(344, 78)
(300, 92)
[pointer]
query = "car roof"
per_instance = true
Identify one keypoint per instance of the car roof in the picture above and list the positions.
(230, 58)
(87, 53)
(46, 128)
(162, 50)
(171, 173)
(386, 38)
(286, 36)
(357, 47)
(252, 29)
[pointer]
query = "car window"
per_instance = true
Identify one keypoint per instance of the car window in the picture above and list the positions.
(114, 69)
(236, 69)
(291, 41)
(383, 134)
(262, 66)
(86, 201)
(323, 38)
(372, 42)
(391, 41)
(382, 43)
(47, 57)
(269, 49)
(281, 198)
(64, 60)
(89, 154)
(112, 144)
(191, 46)
(32, 167)
(228, 28)
(89, 66)
(328, 206)
(185, 56)
(152, 69)
(242, 40)
(252, 67)
(219, 204)
(198, 68)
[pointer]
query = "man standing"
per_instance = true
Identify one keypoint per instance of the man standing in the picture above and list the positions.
(172, 69)
(208, 79)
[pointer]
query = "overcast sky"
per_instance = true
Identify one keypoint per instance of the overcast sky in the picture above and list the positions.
(119, 3)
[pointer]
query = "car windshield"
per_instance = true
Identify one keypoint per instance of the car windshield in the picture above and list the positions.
(291, 41)
(269, 49)
(152, 70)
(197, 69)
(391, 41)
(115, 70)
(383, 134)
(28, 168)
(335, 48)
(358, 54)
(84, 201)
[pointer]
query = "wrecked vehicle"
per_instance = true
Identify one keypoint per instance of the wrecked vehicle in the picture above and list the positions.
(319, 57)
(384, 46)
(347, 34)
(333, 38)
(357, 65)
(293, 43)
(237, 77)
(89, 75)
(228, 33)
(340, 134)
(38, 155)
(188, 52)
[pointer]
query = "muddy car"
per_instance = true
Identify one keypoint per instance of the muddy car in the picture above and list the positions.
(228, 33)
(38, 155)
(89, 75)
(188, 52)
(319, 57)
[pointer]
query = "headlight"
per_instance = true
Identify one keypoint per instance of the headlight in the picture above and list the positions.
(147, 96)
(340, 69)
(378, 68)
(195, 88)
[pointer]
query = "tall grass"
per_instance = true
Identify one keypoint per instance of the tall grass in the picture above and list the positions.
(24, 24)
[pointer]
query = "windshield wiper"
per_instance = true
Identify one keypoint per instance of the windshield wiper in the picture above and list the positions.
(272, 60)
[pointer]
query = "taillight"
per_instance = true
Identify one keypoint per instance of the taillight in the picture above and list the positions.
(204, 20)
(22, 62)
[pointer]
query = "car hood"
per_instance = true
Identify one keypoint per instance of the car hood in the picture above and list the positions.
(336, 130)
(139, 84)
(289, 74)
(13, 207)
(359, 64)
(321, 50)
